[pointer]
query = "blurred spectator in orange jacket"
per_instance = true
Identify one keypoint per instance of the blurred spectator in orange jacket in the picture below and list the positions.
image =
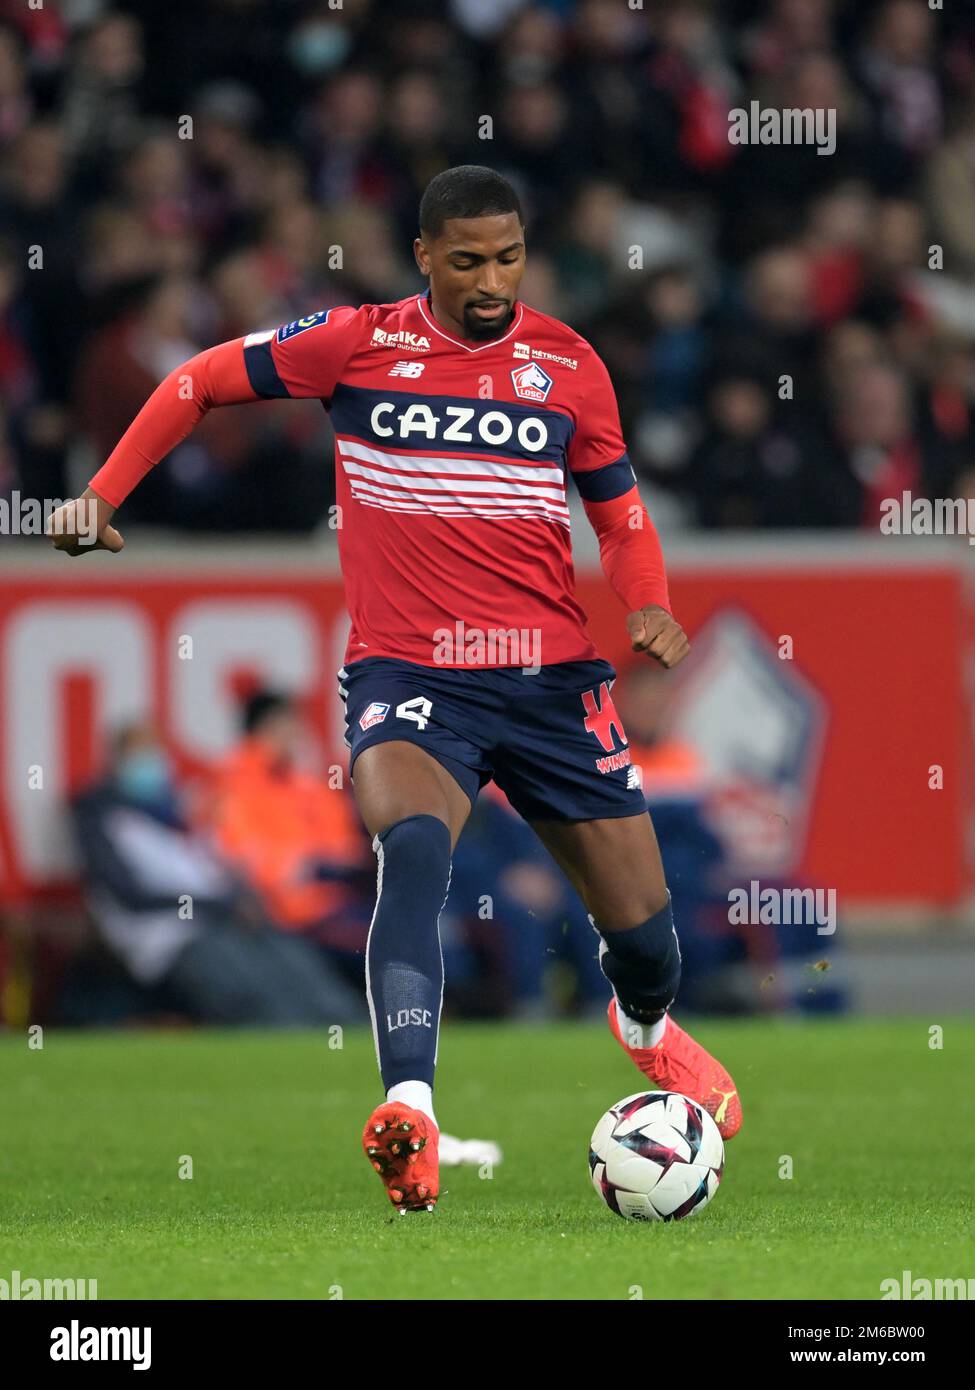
(296, 840)
(669, 766)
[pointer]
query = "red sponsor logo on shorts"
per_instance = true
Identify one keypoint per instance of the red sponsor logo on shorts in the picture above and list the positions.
(614, 762)
(602, 719)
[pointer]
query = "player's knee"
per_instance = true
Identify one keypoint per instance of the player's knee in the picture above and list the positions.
(643, 965)
(617, 912)
(414, 855)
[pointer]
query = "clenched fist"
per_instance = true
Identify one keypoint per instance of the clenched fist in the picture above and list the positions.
(83, 525)
(654, 631)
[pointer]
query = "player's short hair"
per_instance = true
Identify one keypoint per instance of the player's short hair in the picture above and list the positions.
(467, 190)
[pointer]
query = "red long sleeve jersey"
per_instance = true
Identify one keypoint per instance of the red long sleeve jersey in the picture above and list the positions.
(451, 469)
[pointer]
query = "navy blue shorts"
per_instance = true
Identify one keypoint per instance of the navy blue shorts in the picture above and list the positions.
(552, 741)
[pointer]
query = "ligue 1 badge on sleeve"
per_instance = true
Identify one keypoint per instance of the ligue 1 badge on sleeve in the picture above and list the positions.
(290, 330)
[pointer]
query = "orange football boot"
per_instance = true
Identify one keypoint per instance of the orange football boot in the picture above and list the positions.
(402, 1145)
(678, 1063)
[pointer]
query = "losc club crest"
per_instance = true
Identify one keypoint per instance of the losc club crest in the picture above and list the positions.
(375, 714)
(531, 383)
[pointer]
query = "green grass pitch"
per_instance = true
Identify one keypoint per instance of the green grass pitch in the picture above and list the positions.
(282, 1204)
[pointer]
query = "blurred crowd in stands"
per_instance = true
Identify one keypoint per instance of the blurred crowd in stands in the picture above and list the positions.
(786, 346)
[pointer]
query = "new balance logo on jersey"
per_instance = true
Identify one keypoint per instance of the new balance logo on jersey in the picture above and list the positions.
(407, 1018)
(412, 342)
(410, 369)
(531, 383)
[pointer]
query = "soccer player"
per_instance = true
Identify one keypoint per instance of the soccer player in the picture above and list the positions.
(459, 416)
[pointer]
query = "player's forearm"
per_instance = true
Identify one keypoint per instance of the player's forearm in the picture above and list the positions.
(216, 376)
(630, 552)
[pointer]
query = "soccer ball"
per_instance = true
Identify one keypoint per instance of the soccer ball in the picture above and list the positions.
(656, 1156)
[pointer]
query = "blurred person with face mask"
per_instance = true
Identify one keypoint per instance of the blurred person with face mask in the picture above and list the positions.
(182, 924)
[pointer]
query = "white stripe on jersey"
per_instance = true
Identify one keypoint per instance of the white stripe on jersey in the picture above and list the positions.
(463, 487)
(426, 463)
(446, 496)
(486, 487)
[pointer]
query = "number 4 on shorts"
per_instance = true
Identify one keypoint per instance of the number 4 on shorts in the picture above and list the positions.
(418, 709)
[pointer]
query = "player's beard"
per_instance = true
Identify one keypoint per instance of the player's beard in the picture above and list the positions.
(477, 328)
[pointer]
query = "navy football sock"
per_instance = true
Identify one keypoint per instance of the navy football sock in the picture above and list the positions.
(404, 964)
(643, 965)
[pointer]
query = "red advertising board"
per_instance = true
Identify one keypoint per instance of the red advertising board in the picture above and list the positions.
(830, 736)
(882, 649)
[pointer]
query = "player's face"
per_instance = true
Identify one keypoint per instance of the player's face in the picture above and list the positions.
(475, 267)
